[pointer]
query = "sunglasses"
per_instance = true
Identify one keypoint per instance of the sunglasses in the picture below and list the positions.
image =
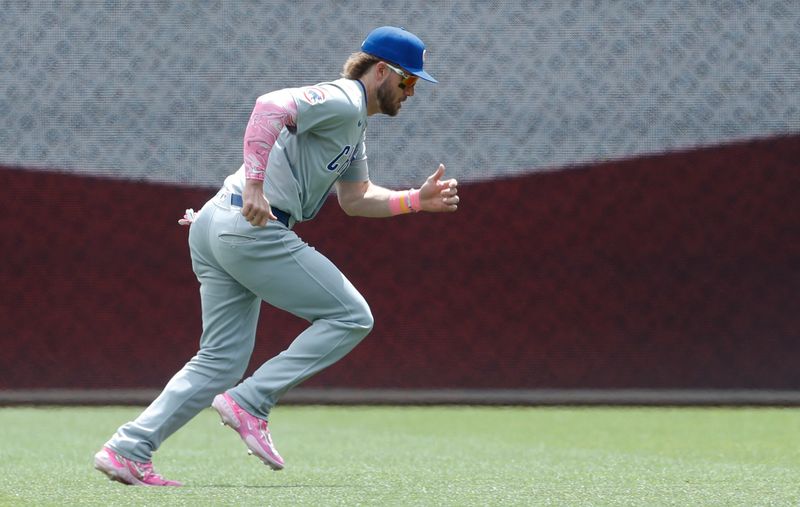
(407, 80)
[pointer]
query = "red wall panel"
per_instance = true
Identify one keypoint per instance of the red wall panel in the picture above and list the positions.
(671, 271)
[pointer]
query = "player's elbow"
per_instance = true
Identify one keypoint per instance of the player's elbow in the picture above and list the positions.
(349, 205)
(351, 196)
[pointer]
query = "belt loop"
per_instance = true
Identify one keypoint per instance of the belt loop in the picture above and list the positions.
(222, 198)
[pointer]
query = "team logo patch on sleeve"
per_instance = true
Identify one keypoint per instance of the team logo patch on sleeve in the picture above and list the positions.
(314, 95)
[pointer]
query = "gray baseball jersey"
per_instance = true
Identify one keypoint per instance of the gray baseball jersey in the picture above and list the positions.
(326, 144)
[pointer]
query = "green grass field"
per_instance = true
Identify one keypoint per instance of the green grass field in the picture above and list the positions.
(460, 456)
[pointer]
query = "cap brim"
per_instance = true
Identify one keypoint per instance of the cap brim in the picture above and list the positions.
(424, 75)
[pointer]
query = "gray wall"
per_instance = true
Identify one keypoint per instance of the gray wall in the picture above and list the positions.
(161, 90)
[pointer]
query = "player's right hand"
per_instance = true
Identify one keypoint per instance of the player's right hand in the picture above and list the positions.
(255, 207)
(437, 194)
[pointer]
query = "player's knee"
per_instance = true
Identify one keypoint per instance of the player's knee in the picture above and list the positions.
(363, 318)
(368, 320)
(354, 317)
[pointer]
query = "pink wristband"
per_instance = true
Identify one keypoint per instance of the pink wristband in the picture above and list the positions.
(404, 201)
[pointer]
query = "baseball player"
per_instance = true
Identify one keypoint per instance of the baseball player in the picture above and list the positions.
(299, 144)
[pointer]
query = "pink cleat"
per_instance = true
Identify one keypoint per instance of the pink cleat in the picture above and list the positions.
(127, 471)
(251, 429)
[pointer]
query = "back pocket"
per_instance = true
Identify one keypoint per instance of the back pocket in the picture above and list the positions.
(235, 238)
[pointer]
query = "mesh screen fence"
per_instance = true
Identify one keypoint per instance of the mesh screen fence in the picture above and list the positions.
(161, 91)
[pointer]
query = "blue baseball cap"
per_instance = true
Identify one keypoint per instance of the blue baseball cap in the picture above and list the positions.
(400, 47)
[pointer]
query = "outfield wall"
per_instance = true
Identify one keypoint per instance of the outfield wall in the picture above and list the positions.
(629, 175)
(677, 271)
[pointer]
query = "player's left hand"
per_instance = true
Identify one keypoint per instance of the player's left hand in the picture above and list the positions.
(437, 194)
(256, 208)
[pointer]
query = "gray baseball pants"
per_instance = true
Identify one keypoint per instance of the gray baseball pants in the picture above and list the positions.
(238, 266)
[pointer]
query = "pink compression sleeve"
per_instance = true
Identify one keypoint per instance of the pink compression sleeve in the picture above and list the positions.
(271, 113)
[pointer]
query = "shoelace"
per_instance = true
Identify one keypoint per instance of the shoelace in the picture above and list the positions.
(148, 474)
(262, 428)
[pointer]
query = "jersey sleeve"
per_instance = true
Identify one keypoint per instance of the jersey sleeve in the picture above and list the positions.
(318, 109)
(358, 170)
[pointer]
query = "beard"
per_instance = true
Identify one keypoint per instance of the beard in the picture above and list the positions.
(386, 101)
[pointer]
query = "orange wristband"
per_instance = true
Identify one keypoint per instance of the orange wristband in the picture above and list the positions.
(403, 202)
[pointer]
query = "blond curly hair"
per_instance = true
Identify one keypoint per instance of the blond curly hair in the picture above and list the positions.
(358, 64)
